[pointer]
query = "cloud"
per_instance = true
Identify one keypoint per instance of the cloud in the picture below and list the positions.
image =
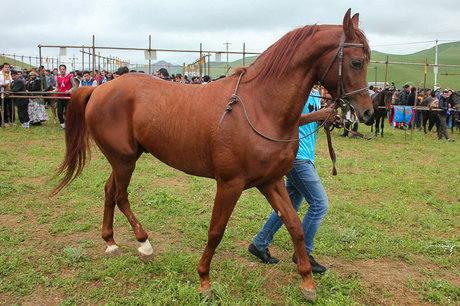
(184, 24)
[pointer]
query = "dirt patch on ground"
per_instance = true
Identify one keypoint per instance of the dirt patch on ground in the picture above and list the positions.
(387, 280)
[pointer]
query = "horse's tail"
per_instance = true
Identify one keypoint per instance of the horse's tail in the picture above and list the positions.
(76, 138)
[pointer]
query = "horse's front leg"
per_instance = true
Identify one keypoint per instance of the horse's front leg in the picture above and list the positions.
(278, 198)
(227, 195)
(382, 124)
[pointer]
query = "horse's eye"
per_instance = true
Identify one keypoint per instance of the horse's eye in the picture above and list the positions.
(357, 64)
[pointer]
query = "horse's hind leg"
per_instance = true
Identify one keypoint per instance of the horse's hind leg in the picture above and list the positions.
(278, 198)
(226, 197)
(122, 172)
(107, 224)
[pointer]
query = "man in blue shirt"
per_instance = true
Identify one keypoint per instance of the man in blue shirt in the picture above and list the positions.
(302, 183)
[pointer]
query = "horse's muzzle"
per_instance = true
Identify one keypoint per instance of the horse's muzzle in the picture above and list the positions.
(368, 117)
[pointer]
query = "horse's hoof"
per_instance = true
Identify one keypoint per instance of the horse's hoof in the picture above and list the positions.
(206, 293)
(145, 258)
(308, 294)
(112, 250)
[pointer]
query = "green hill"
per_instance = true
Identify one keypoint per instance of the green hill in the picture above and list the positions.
(448, 53)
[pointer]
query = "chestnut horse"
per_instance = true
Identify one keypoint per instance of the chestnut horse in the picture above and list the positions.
(184, 126)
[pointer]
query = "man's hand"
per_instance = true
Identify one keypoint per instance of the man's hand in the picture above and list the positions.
(320, 115)
(325, 113)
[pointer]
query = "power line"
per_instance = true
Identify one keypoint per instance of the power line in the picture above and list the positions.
(415, 43)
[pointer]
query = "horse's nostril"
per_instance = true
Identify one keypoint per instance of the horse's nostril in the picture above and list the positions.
(367, 116)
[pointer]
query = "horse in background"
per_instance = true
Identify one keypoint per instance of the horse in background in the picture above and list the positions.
(382, 98)
(205, 130)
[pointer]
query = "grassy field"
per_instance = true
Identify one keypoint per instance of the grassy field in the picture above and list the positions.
(391, 236)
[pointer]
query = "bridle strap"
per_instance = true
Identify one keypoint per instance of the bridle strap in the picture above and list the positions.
(341, 94)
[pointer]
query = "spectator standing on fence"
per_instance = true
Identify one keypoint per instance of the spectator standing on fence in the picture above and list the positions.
(87, 80)
(18, 85)
(64, 89)
(5, 82)
(444, 106)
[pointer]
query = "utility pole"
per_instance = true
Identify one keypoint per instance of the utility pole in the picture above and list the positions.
(227, 44)
(436, 66)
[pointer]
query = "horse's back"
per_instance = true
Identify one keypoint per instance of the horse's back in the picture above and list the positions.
(174, 122)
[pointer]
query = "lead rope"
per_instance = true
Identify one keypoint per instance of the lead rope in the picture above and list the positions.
(235, 98)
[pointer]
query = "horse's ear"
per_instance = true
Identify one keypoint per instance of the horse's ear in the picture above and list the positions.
(355, 20)
(348, 26)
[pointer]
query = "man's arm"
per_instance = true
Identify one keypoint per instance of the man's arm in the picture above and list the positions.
(75, 84)
(321, 114)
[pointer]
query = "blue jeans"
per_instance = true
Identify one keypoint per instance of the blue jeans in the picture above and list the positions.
(302, 183)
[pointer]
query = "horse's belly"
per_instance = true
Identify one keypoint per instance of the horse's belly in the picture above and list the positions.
(183, 153)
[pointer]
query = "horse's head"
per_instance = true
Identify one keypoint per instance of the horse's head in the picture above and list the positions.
(388, 98)
(344, 69)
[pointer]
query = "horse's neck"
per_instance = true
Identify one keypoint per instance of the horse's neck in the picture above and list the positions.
(282, 100)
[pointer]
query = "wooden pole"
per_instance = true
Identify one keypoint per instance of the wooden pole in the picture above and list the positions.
(150, 51)
(415, 104)
(94, 54)
(386, 73)
(424, 79)
(244, 54)
(201, 66)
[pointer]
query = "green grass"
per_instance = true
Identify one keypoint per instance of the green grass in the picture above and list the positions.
(391, 235)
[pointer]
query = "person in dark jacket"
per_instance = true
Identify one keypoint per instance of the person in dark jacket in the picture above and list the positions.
(403, 97)
(18, 85)
(444, 106)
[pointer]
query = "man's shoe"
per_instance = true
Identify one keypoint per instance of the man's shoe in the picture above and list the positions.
(315, 267)
(262, 255)
(450, 140)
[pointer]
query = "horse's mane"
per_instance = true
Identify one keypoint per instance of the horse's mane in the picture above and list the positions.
(276, 59)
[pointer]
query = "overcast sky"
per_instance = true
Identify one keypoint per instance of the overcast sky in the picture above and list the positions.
(397, 27)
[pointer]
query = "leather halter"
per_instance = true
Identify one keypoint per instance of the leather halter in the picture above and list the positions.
(341, 94)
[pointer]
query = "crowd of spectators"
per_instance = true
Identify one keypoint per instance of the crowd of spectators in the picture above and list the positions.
(48, 84)
(442, 108)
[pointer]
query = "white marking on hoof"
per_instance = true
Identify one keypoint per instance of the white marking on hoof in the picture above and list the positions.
(112, 250)
(308, 294)
(145, 251)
